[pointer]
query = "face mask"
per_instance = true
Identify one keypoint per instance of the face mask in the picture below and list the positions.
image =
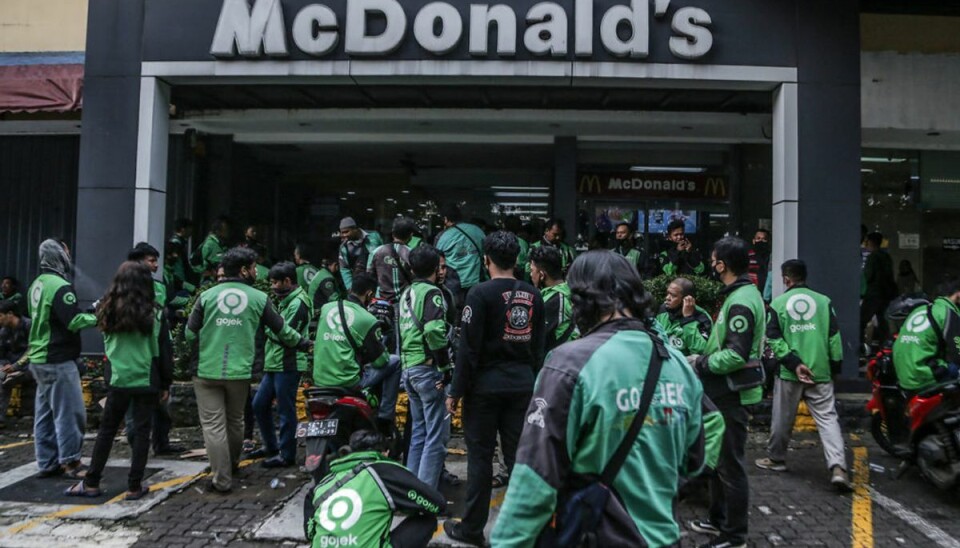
(282, 292)
(763, 247)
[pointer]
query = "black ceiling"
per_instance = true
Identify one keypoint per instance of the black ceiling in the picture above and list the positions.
(913, 7)
(197, 98)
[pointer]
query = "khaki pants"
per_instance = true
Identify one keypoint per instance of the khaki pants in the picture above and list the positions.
(822, 406)
(221, 405)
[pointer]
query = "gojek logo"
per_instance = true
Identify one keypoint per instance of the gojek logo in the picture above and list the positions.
(335, 322)
(340, 512)
(802, 308)
(739, 324)
(231, 302)
(918, 323)
(36, 294)
(309, 275)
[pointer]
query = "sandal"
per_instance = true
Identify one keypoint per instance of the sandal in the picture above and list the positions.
(77, 471)
(81, 490)
(137, 495)
(500, 480)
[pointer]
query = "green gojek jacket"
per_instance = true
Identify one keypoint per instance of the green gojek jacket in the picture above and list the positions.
(802, 328)
(262, 272)
(558, 310)
(227, 319)
(335, 361)
(523, 259)
(353, 257)
(677, 263)
(323, 289)
(585, 399)
(567, 254)
(918, 350)
(160, 292)
(55, 320)
(688, 335)
(305, 275)
(296, 311)
(736, 338)
(173, 286)
(356, 503)
(427, 342)
(138, 362)
(211, 251)
(631, 254)
(462, 245)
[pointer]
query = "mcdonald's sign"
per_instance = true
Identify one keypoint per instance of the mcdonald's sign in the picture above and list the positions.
(631, 186)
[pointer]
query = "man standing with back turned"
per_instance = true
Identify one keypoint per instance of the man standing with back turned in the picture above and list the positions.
(805, 336)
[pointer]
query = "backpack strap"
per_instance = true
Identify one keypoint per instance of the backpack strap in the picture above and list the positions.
(941, 342)
(483, 274)
(346, 332)
(400, 265)
(657, 354)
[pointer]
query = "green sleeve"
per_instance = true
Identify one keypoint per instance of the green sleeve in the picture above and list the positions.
(836, 343)
(434, 321)
(211, 253)
(737, 344)
(345, 273)
(713, 427)
(82, 321)
(693, 340)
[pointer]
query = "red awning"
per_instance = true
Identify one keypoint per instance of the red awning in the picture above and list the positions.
(41, 88)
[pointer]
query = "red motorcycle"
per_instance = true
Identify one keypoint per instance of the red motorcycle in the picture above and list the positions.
(924, 431)
(334, 415)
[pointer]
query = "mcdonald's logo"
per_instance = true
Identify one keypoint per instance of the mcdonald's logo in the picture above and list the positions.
(716, 187)
(590, 184)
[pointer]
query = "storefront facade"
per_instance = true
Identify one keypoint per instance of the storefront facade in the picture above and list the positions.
(746, 112)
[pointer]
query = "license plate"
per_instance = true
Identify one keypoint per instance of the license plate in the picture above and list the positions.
(317, 429)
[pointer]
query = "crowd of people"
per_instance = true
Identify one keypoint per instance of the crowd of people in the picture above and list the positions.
(561, 363)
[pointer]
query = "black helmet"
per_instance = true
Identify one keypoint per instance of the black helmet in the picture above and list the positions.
(901, 307)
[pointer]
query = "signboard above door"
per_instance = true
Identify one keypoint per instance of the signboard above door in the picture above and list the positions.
(635, 186)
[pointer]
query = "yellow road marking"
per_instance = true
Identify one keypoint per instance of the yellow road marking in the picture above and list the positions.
(18, 444)
(81, 507)
(861, 526)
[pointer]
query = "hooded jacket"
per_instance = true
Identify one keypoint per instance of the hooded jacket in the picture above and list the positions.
(52, 304)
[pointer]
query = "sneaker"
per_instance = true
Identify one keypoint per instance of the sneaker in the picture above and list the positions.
(261, 453)
(840, 480)
(723, 543)
(276, 462)
(454, 530)
(704, 527)
(171, 449)
(766, 463)
(248, 446)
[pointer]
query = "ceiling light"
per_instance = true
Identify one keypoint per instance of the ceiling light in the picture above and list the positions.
(521, 194)
(350, 192)
(866, 171)
(668, 169)
(882, 160)
(519, 188)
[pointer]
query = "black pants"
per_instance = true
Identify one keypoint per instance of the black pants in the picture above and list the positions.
(143, 405)
(870, 307)
(484, 416)
(729, 490)
(249, 420)
(414, 532)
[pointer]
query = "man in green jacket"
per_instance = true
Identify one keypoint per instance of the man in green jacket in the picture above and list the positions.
(582, 408)
(59, 417)
(680, 258)
(426, 361)
(805, 337)
(326, 286)
(686, 325)
(927, 351)
(553, 233)
(282, 367)
(736, 339)
(305, 270)
(208, 256)
(355, 250)
(547, 275)
(461, 243)
(513, 225)
(10, 291)
(625, 247)
(349, 351)
(226, 320)
(355, 505)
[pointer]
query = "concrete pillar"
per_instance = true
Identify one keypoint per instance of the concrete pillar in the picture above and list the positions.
(152, 143)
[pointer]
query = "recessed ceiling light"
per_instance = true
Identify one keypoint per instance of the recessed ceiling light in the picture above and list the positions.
(933, 134)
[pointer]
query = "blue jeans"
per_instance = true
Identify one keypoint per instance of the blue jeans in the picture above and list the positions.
(388, 377)
(60, 417)
(427, 448)
(283, 387)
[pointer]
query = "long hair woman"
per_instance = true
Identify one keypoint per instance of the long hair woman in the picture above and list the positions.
(138, 373)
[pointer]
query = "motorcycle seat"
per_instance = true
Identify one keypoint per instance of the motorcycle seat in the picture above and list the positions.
(332, 391)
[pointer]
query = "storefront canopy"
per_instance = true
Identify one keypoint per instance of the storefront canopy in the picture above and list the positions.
(41, 82)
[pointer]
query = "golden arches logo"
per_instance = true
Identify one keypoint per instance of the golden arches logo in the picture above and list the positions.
(590, 184)
(715, 186)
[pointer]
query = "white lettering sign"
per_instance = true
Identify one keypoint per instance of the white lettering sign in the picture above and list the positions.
(256, 28)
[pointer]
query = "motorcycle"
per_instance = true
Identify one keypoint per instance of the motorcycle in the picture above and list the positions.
(922, 430)
(334, 414)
